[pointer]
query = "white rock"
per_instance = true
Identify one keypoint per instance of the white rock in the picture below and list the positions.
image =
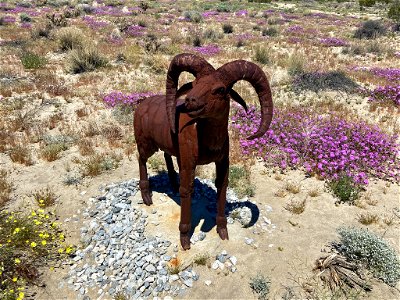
(206, 282)
(233, 260)
(215, 265)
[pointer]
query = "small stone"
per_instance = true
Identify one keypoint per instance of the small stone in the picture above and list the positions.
(221, 258)
(248, 241)
(233, 269)
(233, 259)
(215, 265)
(188, 282)
(174, 277)
(151, 269)
(207, 282)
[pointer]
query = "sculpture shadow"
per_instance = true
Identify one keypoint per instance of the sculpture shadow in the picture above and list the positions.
(204, 202)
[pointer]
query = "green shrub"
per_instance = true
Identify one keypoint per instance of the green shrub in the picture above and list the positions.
(25, 18)
(193, 16)
(345, 189)
(394, 11)
(271, 31)
(239, 180)
(31, 60)
(260, 285)
(363, 246)
(85, 60)
(366, 3)
(70, 38)
(296, 63)
(227, 28)
(320, 81)
(370, 29)
(261, 55)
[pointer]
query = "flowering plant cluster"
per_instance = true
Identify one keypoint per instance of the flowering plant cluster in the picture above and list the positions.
(389, 74)
(93, 23)
(27, 242)
(135, 30)
(325, 145)
(207, 50)
(115, 98)
(386, 94)
(333, 42)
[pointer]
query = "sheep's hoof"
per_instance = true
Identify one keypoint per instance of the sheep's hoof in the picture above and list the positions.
(223, 232)
(147, 199)
(185, 241)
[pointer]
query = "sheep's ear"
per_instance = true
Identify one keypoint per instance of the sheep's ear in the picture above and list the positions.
(184, 89)
(237, 98)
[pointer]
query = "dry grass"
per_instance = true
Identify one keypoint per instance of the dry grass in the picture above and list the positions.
(368, 218)
(21, 154)
(45, 197)
(292, 188)
(97, 163)
(6, 188)
(51, 152)
(54, 120)
(314, 192)
(91, 130)
(281, 193)
(296, 206)
(174, 266)
(82, 112)
(85, 147)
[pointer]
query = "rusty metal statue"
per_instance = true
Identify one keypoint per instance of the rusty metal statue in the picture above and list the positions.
(196, 130)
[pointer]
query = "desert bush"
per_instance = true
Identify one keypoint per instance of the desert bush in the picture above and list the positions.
(370, 30)
(21, 154)
(320, 81)
(296, 206)
(25, 18)
(201, 259)
(271, 31)
(227, 28)
(72, 179)
(70, 38)
(260, 285)
(197, 41)
(394, 11)
(85, 147)
(31, 60)
(51, 152)
(239, 180)
(345, 189)
(85, 60)
(193, 16)
(368, 218)
(99, 163)
(366, 3)
(296, 64)
(261, 55)
(211, 34)
(42, 30)
(363, 246)
(6, 187)
(27, 244)
(45, 197)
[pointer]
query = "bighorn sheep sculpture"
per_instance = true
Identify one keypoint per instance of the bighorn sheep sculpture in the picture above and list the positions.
(196, 130)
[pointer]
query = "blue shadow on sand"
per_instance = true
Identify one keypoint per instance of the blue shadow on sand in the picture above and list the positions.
(204, 206)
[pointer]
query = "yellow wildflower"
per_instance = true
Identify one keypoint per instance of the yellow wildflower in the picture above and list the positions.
(62, 236)
(33, 244)
(44, 243)
(21, 296)
(61, 250)
(40, 210)
(16, 230)
(68, 250)
(17, 261)
(15, 279)
(33, 213)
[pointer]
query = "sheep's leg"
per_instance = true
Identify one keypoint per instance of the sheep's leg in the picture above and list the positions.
(171, 172)
(144, 184)
(221, 183)
(185, 191)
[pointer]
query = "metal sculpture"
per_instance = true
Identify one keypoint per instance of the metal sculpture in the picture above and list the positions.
(195, 129)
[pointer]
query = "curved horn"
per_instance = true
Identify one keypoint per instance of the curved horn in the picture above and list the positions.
(237, 70)
(191, 63)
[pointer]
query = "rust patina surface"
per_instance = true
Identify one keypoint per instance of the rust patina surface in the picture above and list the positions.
(196, 130)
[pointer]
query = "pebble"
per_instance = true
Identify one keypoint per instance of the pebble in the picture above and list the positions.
(207, 282)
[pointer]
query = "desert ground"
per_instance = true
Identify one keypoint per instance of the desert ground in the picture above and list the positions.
(72, 74)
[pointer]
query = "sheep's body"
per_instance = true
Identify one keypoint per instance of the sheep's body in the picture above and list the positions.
(196, 129)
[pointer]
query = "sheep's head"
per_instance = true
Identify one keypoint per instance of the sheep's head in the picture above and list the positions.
(208, 95)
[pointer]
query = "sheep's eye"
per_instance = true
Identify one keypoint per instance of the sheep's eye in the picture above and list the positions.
(220, 90)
